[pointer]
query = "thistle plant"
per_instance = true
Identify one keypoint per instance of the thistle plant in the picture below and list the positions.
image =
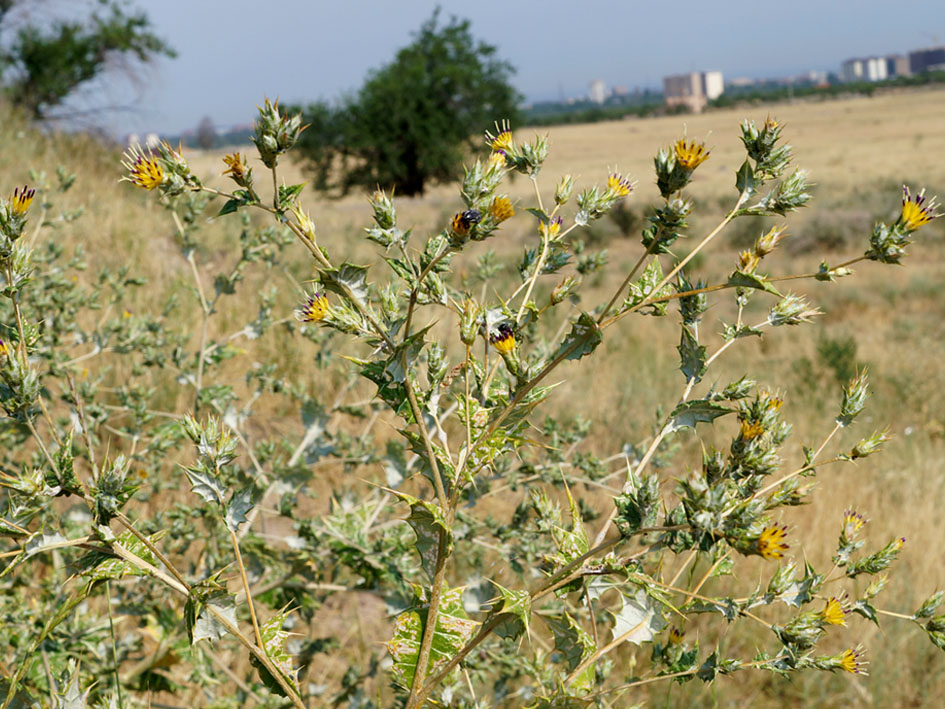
(172, 530)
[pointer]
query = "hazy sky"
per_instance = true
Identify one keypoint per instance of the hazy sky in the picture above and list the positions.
(234, 52)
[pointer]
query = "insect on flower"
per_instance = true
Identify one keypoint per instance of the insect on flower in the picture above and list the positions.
(464, 221)
(504, 338)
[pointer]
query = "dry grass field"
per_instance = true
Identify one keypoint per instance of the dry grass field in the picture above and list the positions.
(858, 151)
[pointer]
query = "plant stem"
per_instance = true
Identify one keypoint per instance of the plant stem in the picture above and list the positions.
(417, 694)
(258, 652)
(111, 627)
(249, 595)
(626, 282)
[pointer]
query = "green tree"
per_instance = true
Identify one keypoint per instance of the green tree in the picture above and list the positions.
(414, 120)
(46, 61)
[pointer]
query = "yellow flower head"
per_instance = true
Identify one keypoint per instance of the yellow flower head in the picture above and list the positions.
(915, 212)
(852, 661)
(675, 635)
(690, 154)
(4, 349)
(21, 200)
(497, 161)
(771, 542)
(144, 170)
(236, 168)
(501, 142)
(747, 261)
(504, 338)
(853, 522)
(751, 430)
(835, 612)
(501, 209)
(771, 123)
(314, 310)
(619, 185)
(897, 545)
(464, 221)
(553, 228)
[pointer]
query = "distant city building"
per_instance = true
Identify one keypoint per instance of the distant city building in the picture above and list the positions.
(620, 91)
(693, 90)
(864, 69)
(929, 59)
(597, 91)
(741, 82)
(897, 65)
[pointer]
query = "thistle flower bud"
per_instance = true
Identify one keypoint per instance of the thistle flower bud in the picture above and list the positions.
(789, 195)
(238, 170)
(670, 176)
(855, 395)
(666, 225)
(876, 587)
(691, 307)
(802, 631)
(767, 242)
(564, 189)
(437, 364)
(564, 290)
(878, 561)
(470, 321)
(931, 604)
(760, 145)
(868, 446)
(791, 310)
(275, 132)
(384, 214)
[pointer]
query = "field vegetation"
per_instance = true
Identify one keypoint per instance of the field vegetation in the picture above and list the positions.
(891, 320)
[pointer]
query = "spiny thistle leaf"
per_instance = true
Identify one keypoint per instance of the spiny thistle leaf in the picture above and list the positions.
(239, 505)
(429, 524)
(639, 619)
(274, 637)
(583, 339)
(575, 645)
(689, 413)
(453, 630)
(205, 597)
(514, 609)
